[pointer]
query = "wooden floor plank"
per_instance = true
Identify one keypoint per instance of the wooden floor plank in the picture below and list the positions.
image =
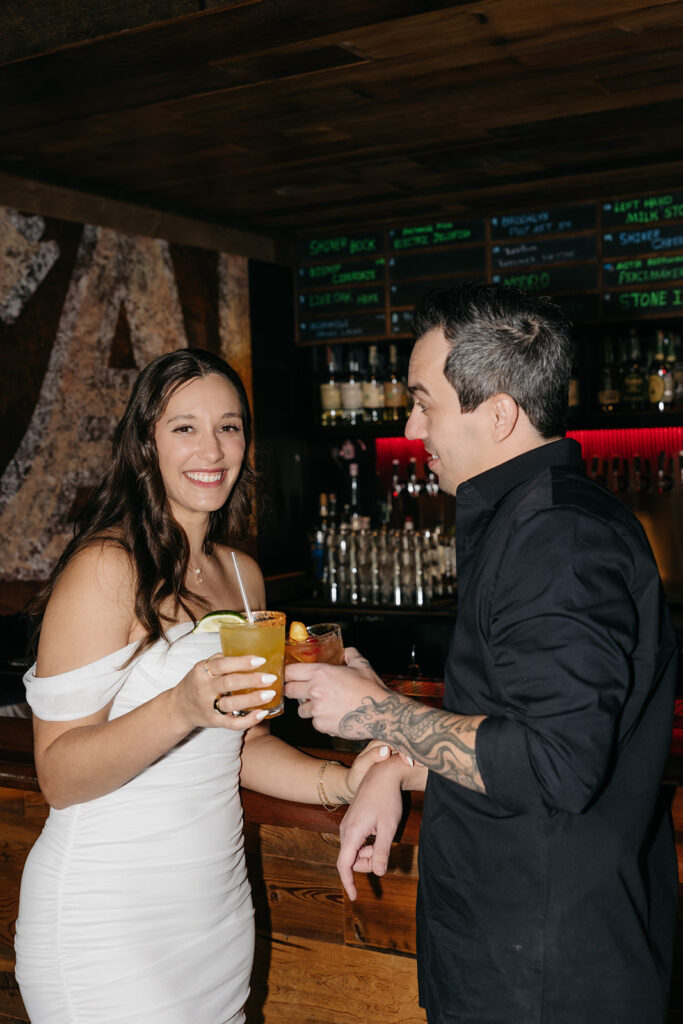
(310, 982)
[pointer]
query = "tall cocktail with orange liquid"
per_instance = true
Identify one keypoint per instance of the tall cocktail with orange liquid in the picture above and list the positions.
(264, 637)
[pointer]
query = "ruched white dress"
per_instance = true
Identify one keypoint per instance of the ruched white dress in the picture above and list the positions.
(135, 907)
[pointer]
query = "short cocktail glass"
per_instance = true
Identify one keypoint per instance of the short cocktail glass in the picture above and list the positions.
(264, 637)
(323, 643)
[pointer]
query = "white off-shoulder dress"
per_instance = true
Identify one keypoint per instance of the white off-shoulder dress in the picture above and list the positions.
(135, 907)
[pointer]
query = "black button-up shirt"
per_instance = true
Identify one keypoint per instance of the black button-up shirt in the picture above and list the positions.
(551, 899)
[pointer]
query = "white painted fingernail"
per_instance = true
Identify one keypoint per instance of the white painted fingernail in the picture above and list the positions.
(260, 715)
(268, 677)
(383, 751)
(255, 662)
(409, 760)
(267, 694)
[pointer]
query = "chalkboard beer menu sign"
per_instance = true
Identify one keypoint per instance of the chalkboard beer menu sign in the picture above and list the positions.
(428, 236)
(438, 263)
(552, 280)
(643, 303)
(620, 241)
(532, 254)
(611, 260)
(341, 291)
(339, 300)
(643, 210)
(368, 325)
(340, 274)
(342, 246)
(647, 270)
(560, 220)
(427, 256)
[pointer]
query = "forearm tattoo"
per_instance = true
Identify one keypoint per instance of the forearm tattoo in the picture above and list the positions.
(441, 741)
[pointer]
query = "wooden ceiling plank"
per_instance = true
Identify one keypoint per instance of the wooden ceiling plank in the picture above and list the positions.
(480, 201)
(199, 81)
(146, 123)
(34, 27)
(277, 114)
(157, 187)
(87, 82)
(196, 55)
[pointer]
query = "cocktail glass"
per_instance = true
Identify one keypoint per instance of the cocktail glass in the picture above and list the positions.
(264, 637)
(323, 643)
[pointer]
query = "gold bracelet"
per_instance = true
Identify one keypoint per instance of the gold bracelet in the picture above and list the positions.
(322, 795)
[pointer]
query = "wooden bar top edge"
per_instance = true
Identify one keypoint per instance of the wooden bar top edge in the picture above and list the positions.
(17, 771)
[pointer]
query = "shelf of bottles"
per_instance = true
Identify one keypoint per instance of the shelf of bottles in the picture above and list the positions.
(622, 377)
(625, 407)
(403, 554)
(383, 565)
(362, 386)
(634, 374)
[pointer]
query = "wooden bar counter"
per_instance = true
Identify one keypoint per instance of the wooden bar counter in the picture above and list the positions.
(320, 959)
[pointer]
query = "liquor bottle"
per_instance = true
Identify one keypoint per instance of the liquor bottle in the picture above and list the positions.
(660, 384)
(354, 496)
(617, 478)
(413, 671)
(670, 358)
(665, 480)
(323, 512)
(373, 390)
(574, 393)
(396, 495)
(414, 486)
(634, 380)
(353, 577)
(432, 484)
(395, 395)
(330, 393)
(597, 471)
(352, 394)
(332, 509)
(330, 581)
(640, 483)
(608, 394)
(678, 371)
(413, 490)
(318, 540)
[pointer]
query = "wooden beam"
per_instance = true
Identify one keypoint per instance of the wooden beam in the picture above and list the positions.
(31, 196)
(32, 27)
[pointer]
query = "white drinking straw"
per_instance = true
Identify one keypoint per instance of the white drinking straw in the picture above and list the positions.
(250, 614)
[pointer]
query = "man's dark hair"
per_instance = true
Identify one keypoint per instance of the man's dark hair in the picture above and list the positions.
(503, 340)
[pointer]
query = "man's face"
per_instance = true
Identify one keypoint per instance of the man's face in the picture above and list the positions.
(460, 444)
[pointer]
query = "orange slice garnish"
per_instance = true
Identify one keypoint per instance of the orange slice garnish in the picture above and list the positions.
(298, 632)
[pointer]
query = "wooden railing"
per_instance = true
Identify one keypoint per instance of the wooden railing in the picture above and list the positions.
(319, 957)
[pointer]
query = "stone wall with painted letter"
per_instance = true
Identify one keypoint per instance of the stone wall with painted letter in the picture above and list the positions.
(82, 310)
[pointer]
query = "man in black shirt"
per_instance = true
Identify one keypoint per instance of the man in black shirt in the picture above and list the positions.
(548, 889)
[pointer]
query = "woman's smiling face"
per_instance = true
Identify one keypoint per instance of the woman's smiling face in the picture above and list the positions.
(200, 445)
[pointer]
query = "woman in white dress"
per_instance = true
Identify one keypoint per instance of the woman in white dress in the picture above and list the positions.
(135, 906)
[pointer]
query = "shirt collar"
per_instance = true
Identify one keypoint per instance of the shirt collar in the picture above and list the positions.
(494, 484)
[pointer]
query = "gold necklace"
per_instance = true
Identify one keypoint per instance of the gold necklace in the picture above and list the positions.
(198, 574)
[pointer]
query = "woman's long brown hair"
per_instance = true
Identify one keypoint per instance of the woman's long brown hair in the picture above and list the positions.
(129, 506)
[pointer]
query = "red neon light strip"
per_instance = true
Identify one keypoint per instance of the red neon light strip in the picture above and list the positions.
(624, 442)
